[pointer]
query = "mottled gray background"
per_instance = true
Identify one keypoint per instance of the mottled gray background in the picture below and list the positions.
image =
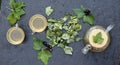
(105, 11)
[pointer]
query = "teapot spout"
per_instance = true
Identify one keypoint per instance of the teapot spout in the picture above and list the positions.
(110, 27)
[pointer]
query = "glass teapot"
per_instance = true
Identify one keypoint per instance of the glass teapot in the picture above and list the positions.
(88, 39)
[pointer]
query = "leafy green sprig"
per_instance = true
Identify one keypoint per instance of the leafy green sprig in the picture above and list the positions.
(16, 12)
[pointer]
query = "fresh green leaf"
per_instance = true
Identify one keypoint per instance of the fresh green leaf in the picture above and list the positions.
(77, 27)
(58, 25)
(52, 20)
(66, 27)
(61, 46)
(38, 44)
(52, 43)
(70, 32)
(74, 21)
(12, 4)
(66, 36)
(70, 40)
(20, 5)
(89, 19)
(44, 56)
(79, 12)
(59, 33)
(98, 38)
(78, 39)
(18, 13)
(12, 19)
(73, 17)
(75, 33)
(49, 10)
(68, 50)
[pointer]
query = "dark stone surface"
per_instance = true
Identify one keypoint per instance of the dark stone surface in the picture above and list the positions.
(105, 11)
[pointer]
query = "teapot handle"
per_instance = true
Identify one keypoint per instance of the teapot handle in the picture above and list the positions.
(110, 27)
(86, 49)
